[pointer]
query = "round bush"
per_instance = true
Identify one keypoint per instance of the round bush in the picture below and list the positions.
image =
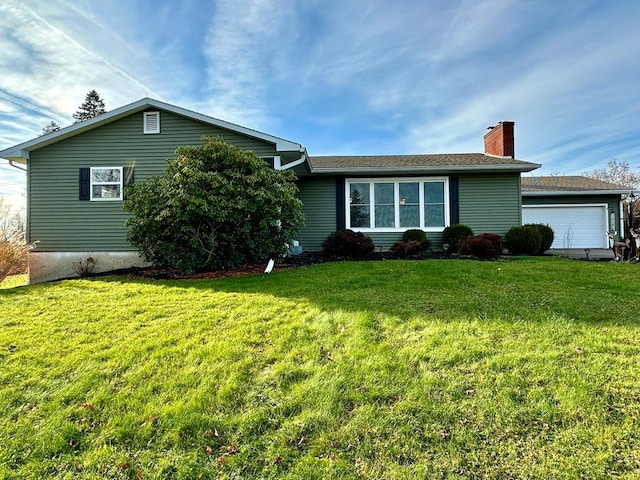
(414, 235)
(523, 240)
(487, 245)
(455, 235)
(348, 244)
(410, 248)
(547, 236)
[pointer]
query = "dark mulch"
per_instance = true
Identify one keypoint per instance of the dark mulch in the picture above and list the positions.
(294, 261)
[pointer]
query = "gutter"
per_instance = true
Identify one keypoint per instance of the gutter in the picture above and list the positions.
(573, 192)
(295, 163)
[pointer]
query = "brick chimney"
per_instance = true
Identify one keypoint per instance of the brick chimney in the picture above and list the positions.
(498, 141)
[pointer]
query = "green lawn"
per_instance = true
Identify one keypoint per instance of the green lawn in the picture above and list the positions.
(14, 281)
(527, 368)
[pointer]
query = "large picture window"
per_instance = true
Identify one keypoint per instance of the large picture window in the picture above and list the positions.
(106, 183)
(397, 204)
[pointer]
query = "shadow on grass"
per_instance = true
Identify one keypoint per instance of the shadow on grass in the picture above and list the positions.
(516, 290)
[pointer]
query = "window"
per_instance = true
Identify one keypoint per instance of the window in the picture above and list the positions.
(106, 183)
(151, 122)
(397, 204)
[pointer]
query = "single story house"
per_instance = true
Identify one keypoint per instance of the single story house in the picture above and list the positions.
(76, 179)
(580, 210)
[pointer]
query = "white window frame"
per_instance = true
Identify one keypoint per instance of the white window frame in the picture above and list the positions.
(396, 187)
(144, 123)
(92, 183)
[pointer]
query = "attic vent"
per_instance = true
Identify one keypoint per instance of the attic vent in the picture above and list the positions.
(151, 122)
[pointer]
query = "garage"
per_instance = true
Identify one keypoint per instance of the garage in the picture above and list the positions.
(574, 226)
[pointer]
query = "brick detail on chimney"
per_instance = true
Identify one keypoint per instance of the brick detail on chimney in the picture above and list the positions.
(499, 141)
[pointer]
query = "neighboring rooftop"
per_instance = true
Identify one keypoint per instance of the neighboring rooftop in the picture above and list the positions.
(570, 184)
(429, 163)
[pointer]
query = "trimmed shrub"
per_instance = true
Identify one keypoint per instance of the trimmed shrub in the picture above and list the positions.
(414, 234)
(547, 236)
(455, 235)
(348, 244)
(410, 248)
(526, 240)
(487, 245)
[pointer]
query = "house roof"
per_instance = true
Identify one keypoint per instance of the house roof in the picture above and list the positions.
(20, 153)
(570, 185)
(422, 163)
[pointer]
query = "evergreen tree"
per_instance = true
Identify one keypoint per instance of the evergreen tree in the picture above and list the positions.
(92, 107)
(50, 127)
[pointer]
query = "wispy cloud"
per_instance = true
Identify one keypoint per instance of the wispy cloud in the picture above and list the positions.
(52, 68)
(242, 47)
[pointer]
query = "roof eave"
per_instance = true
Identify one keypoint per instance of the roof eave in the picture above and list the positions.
(426, 169)
(21, 151)
(549, 193)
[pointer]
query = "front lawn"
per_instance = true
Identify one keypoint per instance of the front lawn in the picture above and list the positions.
(525, 368)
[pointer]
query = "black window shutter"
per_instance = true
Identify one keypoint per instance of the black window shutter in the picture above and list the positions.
(84, 184)
(127, 173)
(340, 214)
(454, 203)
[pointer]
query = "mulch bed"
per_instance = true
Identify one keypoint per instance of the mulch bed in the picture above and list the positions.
(294, 261)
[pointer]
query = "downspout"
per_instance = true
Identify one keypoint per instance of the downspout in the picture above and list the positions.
(16, 166)
(295, 163)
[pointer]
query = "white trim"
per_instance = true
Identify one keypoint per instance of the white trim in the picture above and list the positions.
(396, 192)
(147, 122)
(567, 205)
(556, 193)
(120, 184)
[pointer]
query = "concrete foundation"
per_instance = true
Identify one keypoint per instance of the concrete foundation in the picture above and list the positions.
(48, 266)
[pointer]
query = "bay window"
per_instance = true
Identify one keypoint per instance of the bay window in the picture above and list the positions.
(397, 204)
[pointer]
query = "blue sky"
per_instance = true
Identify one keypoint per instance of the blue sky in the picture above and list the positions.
(340, 77)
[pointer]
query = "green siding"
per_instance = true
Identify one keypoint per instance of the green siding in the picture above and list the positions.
(61, 222)
(319, 198)
(490, 203)
(487, 203)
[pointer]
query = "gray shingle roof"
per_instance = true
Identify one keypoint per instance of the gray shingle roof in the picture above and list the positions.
(570, 184)
(412, 163)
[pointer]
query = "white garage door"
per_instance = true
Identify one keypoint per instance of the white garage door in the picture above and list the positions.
(574, 226)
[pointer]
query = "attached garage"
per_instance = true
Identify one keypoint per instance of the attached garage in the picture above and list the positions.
(580, 210)
(574, 226)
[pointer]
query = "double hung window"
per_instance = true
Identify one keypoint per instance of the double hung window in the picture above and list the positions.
(397, 204)
(106, 183)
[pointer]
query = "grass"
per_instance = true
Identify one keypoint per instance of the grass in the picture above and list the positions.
(395, 369)
(13, 281)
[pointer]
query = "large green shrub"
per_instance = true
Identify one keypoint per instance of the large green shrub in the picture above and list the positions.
(525, 239)
(216, 206)
(455, 235)
(547, 236)
(348, 244)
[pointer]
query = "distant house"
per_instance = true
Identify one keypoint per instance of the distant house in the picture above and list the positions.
(580, 210)
(77, 178)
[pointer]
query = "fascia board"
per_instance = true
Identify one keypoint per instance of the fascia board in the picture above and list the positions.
(573, 192)
(429, 170)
